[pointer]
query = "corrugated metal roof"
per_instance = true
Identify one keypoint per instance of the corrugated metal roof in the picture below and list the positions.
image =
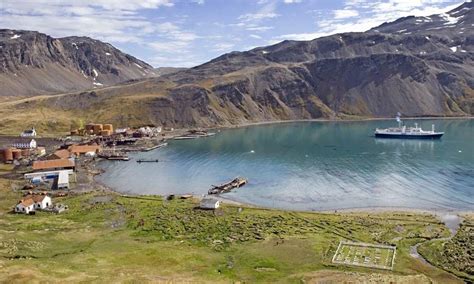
(82, 149)
(208, 203)
(62, 154)
(63, 178)
(51, 164)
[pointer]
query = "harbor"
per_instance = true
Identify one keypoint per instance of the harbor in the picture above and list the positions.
(313, 166)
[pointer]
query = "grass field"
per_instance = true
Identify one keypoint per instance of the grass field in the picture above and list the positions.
(105, 237)
(455, 255)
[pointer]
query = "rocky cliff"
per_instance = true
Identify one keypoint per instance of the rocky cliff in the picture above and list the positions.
(32, 63)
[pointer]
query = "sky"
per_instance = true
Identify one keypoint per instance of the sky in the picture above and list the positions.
(185, 33)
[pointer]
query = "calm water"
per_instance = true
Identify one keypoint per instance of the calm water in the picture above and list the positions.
(314, 166)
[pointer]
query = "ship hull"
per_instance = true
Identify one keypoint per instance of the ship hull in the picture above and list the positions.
(408, 136)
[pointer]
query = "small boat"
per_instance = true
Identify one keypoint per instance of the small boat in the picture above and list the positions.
(118, 158)
(403, 132)
(227, 187)
(147, 161)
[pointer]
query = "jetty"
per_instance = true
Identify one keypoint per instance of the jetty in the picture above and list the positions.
(227, 187)
(114, 157)
(193, 134)
(118, 158)
(154, 147)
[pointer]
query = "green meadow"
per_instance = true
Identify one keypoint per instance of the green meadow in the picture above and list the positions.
(105, 237)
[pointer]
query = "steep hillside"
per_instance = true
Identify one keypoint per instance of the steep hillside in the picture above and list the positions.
(419, 66)
(33, 63)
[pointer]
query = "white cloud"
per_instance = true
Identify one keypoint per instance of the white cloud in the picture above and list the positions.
(345, 13)
(255, 36)
(367, 14)
(176, 61)
(253, 21)
(253, 17)
(171, 39)
(117, 21)
(258, 28)
(291, 1)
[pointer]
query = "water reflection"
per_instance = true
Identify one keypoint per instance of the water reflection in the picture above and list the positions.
(315, 165)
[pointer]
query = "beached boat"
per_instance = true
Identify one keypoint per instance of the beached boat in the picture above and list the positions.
(227, 187)
(403, 132)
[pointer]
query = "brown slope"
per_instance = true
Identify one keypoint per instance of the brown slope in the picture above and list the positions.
(426, 72)
(33, 63)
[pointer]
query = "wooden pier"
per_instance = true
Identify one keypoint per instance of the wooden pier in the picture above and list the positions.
(227, 187)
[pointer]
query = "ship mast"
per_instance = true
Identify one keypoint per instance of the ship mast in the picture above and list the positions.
(399, 120)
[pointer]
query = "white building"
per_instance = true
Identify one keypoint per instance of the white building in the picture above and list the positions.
(63, 180)
(25, 144)
(62, 176)
(25, 206)
(32, 203)
(42, 201)
(121, 130)
(29, 133)
(209, 203)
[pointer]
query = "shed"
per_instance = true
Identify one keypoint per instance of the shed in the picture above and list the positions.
(25, 206)
(63, 180)
(209, 203)
(29, 133)
(41, 201)
(60, 154)
(25, 143)
(57, 164)
(83, 149)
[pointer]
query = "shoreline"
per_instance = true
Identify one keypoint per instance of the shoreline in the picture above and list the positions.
(367, 210)
(269, 122)
(248, 124)
(375, 209)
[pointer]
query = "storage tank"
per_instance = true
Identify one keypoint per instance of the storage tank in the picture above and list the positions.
(108, 127)
(97, 128)
(105, 133)
(16, 154)
(90, 126)
(8, 154)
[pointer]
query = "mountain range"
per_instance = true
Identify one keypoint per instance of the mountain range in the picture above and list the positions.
(419, 66)
(32, 63)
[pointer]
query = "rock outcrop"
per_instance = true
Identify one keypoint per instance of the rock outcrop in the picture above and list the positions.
(419, 66)
(32, 63)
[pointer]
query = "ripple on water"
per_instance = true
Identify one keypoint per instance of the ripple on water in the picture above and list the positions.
(314, 166)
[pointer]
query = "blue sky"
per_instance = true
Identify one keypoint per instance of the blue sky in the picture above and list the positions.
(190, 32)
